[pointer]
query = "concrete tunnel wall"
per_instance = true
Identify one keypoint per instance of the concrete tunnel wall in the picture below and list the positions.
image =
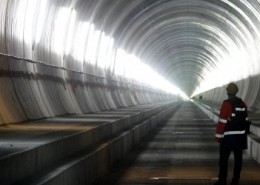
(50, 83)
(54, 91)
(249, 91)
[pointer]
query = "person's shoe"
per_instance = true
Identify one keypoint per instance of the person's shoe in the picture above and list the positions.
(220, 183)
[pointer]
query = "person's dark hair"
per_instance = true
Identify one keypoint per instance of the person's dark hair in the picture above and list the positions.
(232, 89)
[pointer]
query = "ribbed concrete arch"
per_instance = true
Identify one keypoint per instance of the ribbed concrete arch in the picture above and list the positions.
(153, 32)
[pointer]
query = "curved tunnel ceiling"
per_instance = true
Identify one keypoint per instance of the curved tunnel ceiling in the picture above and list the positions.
(195, 44)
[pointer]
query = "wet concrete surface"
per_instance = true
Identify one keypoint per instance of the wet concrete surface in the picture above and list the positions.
(180, 152)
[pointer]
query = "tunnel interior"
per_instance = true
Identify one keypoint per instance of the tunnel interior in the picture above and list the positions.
(82, 82)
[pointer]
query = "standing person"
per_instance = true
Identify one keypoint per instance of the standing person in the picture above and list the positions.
(231, 134)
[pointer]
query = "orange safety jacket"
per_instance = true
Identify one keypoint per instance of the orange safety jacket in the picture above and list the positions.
(227, 114)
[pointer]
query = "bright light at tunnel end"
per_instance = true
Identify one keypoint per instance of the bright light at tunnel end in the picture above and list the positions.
(172, 89)
(133, 68)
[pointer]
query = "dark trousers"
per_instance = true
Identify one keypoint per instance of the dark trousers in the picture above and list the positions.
(224, 154)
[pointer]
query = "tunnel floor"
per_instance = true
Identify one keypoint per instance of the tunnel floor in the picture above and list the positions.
(180, 152)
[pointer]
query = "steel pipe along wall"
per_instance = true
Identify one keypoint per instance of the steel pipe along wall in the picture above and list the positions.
(79, 56)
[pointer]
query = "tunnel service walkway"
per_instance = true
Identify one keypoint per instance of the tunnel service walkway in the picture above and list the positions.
(182, 152)
(66, 150)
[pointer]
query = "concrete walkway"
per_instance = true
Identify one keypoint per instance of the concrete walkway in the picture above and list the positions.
(66, 150)
(180, 152)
